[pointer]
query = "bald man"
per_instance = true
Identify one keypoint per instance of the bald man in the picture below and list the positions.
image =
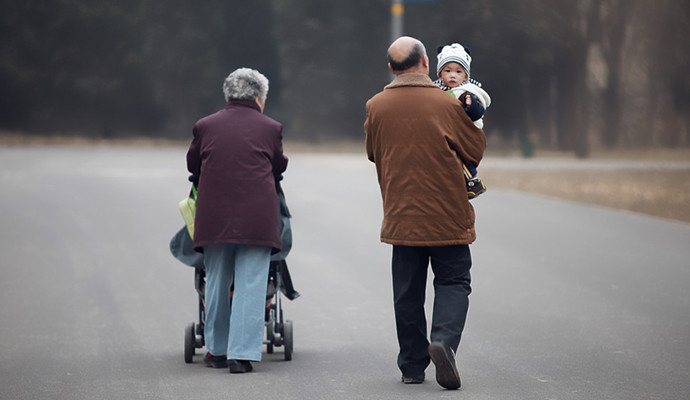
(418, 136)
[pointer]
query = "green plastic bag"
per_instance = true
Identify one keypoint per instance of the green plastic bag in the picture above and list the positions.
(188, 211)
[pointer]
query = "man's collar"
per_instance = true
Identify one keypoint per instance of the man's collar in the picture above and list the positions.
(411, 79)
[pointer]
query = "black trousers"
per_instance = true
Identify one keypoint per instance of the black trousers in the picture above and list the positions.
(451, 268)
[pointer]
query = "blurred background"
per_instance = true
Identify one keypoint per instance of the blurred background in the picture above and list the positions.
(568, 75)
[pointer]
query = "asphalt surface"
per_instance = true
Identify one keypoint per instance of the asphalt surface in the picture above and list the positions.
(570, 301)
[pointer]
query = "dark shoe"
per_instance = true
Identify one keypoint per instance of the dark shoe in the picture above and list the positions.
(444, 360)
(413, 379)
(239, 366)
(475, 187)
(215, 361)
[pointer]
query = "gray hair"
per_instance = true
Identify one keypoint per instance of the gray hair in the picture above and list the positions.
(245, 84)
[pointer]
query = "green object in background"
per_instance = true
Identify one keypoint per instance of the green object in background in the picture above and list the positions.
(527, 148)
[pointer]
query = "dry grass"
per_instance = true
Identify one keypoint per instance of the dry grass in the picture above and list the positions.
(659, 193)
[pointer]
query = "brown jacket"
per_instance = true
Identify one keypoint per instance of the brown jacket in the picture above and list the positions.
(417, 135)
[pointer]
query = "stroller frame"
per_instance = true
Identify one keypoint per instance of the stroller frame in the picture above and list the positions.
(278, 329)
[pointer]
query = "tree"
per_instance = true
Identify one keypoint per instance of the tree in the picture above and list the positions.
(68, 66)
(332, 58)
(669, 67)
(190, 47)
(616, 16)
(140, 67)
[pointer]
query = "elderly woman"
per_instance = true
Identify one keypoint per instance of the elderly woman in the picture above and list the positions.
(237, 156)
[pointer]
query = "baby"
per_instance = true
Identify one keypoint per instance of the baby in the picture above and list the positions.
(453, 70)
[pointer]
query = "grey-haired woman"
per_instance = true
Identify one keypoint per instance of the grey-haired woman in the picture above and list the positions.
(237, 156)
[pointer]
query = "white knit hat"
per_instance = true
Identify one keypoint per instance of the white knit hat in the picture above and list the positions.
(453, 53)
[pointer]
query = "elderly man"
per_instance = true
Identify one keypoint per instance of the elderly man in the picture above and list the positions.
(418, 135)
(237, 156)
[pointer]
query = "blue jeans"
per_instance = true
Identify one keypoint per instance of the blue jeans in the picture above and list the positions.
(235, 326)
(451, 266)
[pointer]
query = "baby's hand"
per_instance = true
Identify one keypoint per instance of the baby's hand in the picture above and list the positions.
(468, 102)
(472, 106)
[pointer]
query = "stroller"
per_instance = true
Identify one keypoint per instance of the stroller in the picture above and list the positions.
(278, 329)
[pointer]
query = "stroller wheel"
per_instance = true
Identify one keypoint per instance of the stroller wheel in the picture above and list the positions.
(189, 343)
(287, 339)
(199, 341)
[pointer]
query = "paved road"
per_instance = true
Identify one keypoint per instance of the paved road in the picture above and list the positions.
(570, 301)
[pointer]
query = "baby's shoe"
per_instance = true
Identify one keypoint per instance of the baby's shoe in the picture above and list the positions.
(475, 187)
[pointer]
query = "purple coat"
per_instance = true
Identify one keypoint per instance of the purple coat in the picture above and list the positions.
(237, 155)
